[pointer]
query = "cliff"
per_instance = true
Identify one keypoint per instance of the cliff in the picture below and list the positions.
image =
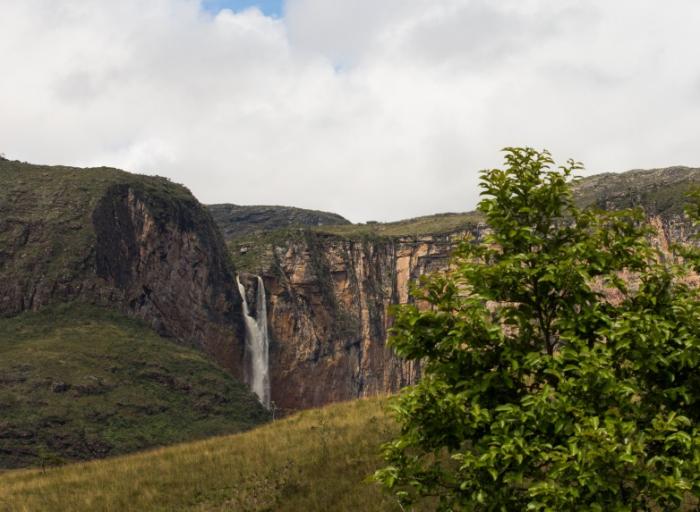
(145, 247)
(329, 299)
(141, 245)
(330, 289)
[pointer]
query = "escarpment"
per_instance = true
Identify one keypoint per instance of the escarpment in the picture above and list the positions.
(329, 300)
(330, 289)
(146, 247)
(138, 244)
(329, 315)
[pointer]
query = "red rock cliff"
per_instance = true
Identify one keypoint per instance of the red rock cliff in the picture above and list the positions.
(328, 312)
(329, 302)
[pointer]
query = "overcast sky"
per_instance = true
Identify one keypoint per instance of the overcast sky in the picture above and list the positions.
(375, 109)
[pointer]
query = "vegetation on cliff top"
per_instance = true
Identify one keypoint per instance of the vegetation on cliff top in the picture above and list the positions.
(438, 224)
(80, 382)
(317, 460)
(236, 221)
(658, 192)
(254, 252)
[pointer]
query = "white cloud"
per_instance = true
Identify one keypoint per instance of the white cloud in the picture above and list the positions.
(374, 109)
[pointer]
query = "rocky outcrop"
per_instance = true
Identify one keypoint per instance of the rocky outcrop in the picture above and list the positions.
(139, 244)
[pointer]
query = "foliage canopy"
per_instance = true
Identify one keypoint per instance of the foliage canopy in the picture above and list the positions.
(560, 359)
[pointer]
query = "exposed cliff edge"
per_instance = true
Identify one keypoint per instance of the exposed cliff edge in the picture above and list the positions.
(330, 288)
(139, 244)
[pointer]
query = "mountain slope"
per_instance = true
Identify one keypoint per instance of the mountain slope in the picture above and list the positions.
(138, 244)
(660, 192)
(235, 220)
(80, 382)
(317, 460)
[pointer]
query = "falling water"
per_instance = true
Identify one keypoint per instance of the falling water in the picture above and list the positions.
(257, 344)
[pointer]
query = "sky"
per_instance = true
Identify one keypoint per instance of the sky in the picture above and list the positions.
(272, 8)
(374, 109)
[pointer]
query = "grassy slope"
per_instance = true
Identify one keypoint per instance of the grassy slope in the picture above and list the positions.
(235, 220)
(317, 460)
(79, 382)
(438, 224)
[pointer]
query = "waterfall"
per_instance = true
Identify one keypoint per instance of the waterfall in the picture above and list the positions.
(257, 344)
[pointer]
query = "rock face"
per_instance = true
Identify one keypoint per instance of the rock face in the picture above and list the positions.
(328, 314)
(139, 244)
(329, 295)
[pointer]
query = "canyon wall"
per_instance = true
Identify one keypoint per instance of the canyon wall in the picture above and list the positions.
(328, 312)
(146, 247)
(329, 300)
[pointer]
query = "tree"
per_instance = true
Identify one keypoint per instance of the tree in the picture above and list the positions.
(560, 358)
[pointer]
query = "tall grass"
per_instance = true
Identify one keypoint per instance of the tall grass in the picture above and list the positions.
(315, 460)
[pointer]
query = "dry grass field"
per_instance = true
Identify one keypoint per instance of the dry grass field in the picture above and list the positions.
(317, 460)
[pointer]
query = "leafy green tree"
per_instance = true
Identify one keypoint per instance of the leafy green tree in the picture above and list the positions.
(560, 361)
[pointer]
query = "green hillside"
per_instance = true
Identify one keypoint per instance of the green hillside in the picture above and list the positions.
(138, 244)
(79, 382)
(236, 220)
(317, 460)
(438, 224)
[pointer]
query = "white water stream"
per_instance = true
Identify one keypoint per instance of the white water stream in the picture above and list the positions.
(257, 344)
